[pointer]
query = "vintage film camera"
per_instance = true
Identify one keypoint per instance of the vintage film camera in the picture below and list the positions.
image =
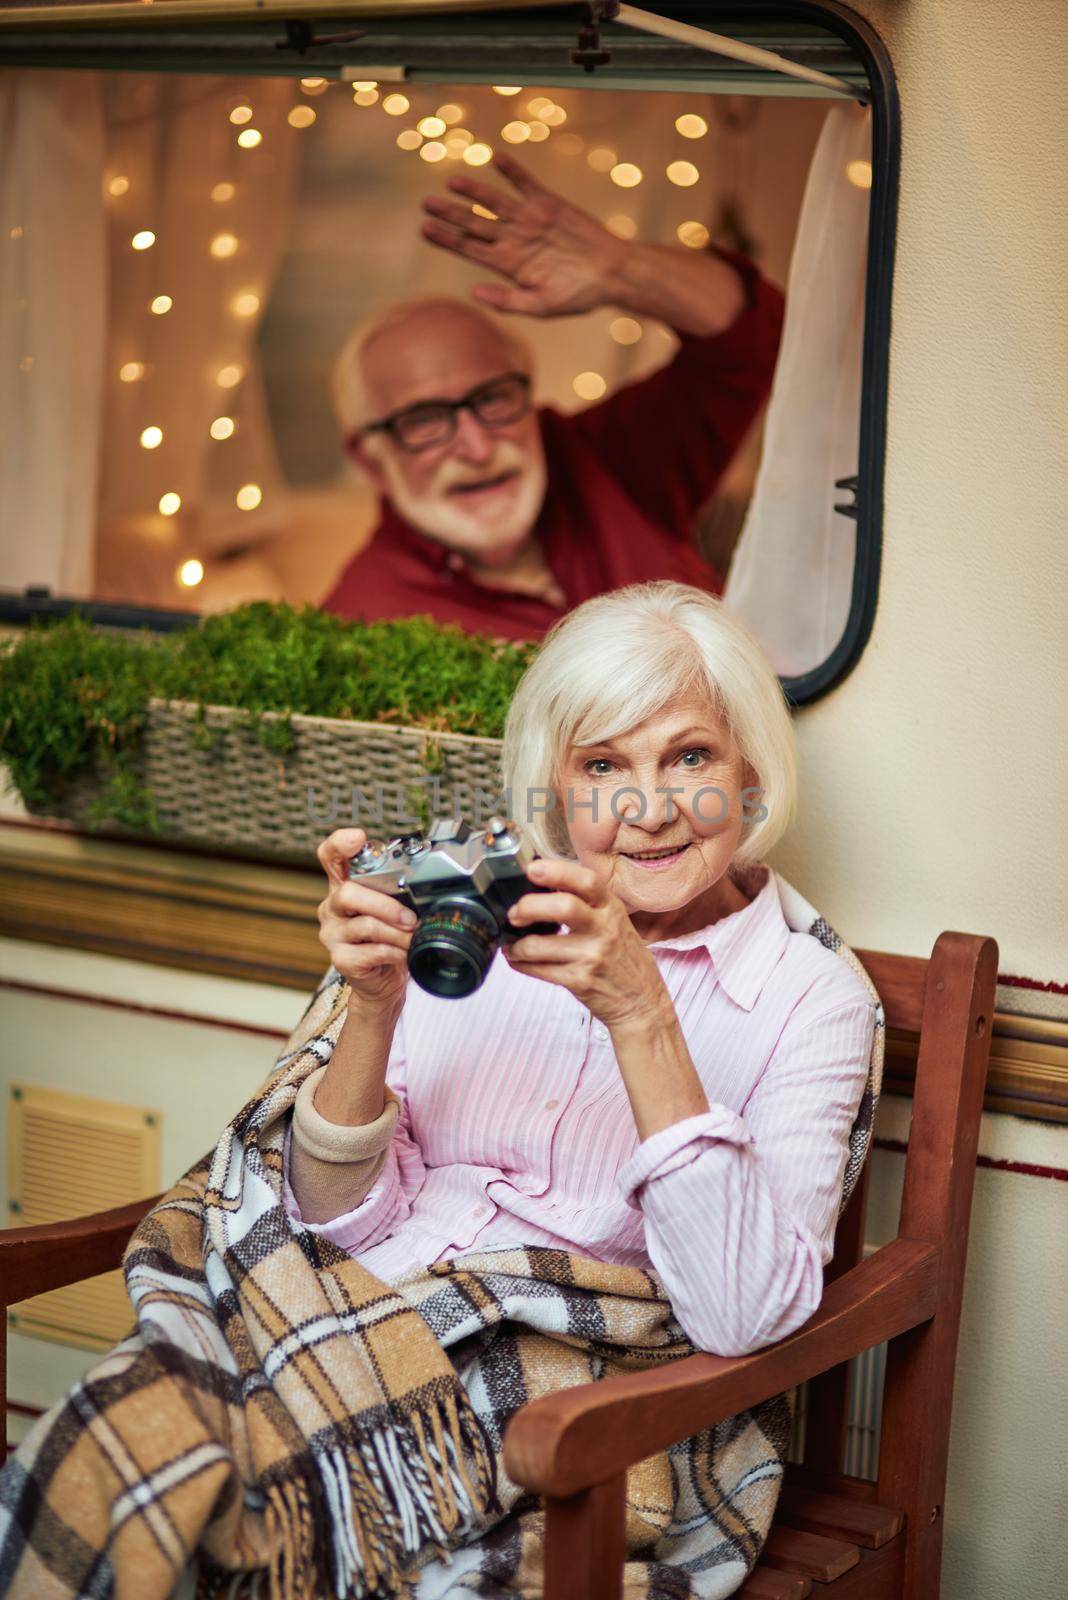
(460, 883)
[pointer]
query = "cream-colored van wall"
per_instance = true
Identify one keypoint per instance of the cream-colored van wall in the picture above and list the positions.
(934, 779)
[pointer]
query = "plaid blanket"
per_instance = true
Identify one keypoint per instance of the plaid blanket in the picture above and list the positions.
(282, 1423)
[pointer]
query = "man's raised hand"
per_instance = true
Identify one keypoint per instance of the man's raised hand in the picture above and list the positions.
(555, 258)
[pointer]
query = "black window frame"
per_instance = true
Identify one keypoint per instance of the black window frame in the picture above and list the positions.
(107, 45)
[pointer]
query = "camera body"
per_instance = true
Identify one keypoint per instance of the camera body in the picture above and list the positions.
(461, 884)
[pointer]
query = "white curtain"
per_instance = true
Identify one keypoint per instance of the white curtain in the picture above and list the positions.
(220, 213)
(52, 328)
(792, 572)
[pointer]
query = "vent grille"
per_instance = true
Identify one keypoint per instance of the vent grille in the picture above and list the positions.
(69, 1155)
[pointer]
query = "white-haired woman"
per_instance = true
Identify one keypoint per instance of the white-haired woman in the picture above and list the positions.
(672, 1078)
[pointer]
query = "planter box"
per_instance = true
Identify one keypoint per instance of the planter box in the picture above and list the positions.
(239, 795)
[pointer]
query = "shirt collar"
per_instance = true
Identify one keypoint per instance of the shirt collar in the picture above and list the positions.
(393, 527)
(745, 946)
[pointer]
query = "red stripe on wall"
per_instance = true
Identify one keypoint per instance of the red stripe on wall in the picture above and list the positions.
(148, 1011)
(1028, 1168)
(1032, 983)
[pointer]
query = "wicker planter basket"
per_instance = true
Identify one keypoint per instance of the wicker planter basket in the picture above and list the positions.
(239, 795)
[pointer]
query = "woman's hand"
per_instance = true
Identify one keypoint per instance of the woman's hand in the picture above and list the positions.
(602, 959)
(366, 932)
(556, 258)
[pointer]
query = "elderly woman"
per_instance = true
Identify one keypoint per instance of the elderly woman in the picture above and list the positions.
(671, 1079)
(628, 1144)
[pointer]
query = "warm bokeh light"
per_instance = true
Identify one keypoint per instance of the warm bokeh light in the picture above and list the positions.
(222, 428)
(170, 503)
(190, 572)
(601, 158)
(859, 173)
(691, 126)
(131, 371)
(682, 173)
(117, 186)
(161, 305)
(151, 438)
(516, 132)
(457, 142)
(395, 105)
(695, 234)
(16, 231)
(222, 192)
(476, 155)
(450, 114)
(570, 144)
(553, 114)
(626, 174)
(245, 305)
(540, 103)
(143, 240)
(589, 385)
(433, 151)
(249, 138)
(484, 211)
(241, 114)
(314, 85)
(409, 139)
(223, 246)
(230, 376)
(507, 88)
(365, 97)
(625, 330)
(301, 117)
(248, 496)
(431, 127)
(538, 132)
(622, 226)
(360, 85)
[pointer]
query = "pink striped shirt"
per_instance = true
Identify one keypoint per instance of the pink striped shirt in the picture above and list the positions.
(516, 1128)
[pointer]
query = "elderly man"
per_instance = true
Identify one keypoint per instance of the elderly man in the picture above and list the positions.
(500, 516)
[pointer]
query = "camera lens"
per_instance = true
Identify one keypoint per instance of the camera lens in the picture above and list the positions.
(452, 948)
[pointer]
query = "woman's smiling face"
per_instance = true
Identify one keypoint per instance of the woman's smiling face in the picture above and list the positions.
(615, 801)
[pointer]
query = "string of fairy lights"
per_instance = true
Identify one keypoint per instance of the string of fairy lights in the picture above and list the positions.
(438, 135)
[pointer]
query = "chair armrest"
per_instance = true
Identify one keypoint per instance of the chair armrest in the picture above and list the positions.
(54, 1254)
(563, 1443)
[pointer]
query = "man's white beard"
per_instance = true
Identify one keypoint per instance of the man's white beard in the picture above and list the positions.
(443, 517)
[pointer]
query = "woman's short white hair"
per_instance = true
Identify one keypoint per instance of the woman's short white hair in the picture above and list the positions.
(625, 656)
(351, 402)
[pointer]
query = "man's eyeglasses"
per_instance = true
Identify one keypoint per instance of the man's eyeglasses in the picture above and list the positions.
(434, 422)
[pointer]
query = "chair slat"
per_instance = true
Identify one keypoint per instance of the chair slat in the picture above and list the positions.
(839, 1516)
(813, 1554)
(766, 1583)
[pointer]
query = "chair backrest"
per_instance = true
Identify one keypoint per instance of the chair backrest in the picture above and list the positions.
(948, 1001)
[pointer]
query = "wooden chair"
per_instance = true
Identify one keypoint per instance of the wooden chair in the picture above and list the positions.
(866, 1541)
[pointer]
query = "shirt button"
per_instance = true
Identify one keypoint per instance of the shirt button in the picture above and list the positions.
(476, 1211)
(601, 1032)
(549, 1104)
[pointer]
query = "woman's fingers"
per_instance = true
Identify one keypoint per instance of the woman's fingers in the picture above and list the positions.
(355, 899)
(369, 930)
(556, 906)
(337, 851)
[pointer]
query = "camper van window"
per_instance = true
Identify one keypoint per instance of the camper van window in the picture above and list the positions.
(464, 314)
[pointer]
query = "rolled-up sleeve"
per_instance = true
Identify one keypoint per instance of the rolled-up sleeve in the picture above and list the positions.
(388, 1202)
(740, 1211)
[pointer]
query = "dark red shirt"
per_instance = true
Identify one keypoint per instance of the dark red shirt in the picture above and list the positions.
(626, 478)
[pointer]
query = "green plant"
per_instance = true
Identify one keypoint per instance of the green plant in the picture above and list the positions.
(74, 697)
